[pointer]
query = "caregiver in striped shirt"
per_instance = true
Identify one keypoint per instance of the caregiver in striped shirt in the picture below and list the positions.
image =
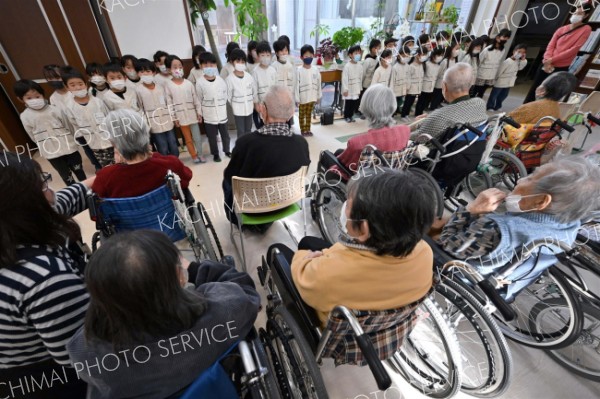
(43, 299)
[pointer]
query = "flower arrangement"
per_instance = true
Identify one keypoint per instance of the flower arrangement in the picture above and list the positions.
(327, 50)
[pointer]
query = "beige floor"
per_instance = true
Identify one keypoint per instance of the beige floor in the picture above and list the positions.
(535, 375)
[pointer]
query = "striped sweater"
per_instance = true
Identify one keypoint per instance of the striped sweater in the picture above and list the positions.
(43, 299)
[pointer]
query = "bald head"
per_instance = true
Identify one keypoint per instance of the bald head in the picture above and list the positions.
(457, 81)
(279, 104)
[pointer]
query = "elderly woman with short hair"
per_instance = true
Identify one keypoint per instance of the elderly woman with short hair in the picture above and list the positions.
(137, 170)
(378, 104)
(549, 93)
(547, 204)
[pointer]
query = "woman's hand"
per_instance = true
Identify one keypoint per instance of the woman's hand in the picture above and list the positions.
(487, 201)
(421, 117)
(313, 254)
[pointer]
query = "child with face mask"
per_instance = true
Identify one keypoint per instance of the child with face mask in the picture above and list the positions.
(489, 63)
(118, 97)
(61, 95)
(128, 64)
(400, 77)
(98, 85)
(352, 83)
(228, 67)
(240, 93)
(472, 57)
(47, 126)
(507, 76)
(451, 54)
(383, 71)
(370, 63)
(308, 88)
(264, 76)
(196, 71)
(286, 70)
(431, 70)
(416, 74)
(163, 75)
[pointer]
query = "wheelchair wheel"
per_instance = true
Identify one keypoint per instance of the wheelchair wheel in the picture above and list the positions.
(469, 188)
(487, 362)
(435, 187)
(269, 383)
(429, 358)
(201, 243)
(582, 356)
(328, 205)
(548, 313)
(211, 229)
(477, 182)
(297, 359)
(505, 169)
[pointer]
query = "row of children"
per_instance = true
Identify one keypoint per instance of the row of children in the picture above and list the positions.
(416, 69)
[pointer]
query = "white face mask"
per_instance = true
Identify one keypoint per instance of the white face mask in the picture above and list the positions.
(511, 202)
(80, 93)
(517, 56)
(476, 52)
(162, 68)
(265, 60)
(98, 80)
(177, 73)
(424, 58)
(386, 61)
(240, 67)
(147, 79)
(437, 60)
(36, 103)
(118, 84)
(405, 60)
(210, 71)
(132, 75)
(576, 19)
(283, 58)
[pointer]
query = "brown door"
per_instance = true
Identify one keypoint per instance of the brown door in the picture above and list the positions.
(34, 33)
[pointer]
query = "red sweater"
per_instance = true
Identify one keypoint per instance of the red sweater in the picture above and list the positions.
(564, 50)
(122, 181)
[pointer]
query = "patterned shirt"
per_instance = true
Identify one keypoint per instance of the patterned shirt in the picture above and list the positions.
(469, 236)
(276, 129)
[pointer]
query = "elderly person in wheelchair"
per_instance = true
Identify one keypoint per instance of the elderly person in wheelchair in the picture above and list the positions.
(145, 335)
(547, 205)
(381, 263)
(378, 104)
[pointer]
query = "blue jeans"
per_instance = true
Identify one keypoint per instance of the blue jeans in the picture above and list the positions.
(166, 143)
(497, 97)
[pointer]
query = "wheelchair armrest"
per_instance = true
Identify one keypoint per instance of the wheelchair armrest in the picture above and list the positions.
(333, 160)
(188, 197)
(439, 255)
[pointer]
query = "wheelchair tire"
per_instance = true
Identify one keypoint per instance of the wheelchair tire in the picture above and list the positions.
(268, 381)
(95, 241)
(328, 204)
(431, 375)
(282, 381)
(211, 229)
(477, 182)
(202, 241)
(505, 169)
(296, 356)
(435, 187)
(484, 375)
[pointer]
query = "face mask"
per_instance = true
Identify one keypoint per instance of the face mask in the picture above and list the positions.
(56, 84)
(210, 71)
(97, 80)
(386, 61)
(132, 75)
(177, 73)
(394, 52)
(36, 103)
(405, 60)
(266, 61)
(240, 67)
(147, 79)
(162, 68)
(118, 84)
(517, 56)
(283, 58)
(307, 60)
(80, 93)
(357, 57)
(425, 58)
(576, 19)
(476, 52)
(511, 202)
(437, 60)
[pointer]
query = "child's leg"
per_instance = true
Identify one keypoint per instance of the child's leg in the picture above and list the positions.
(211, 133)
(160, 141)
(89, 152)
(62, 167)
(195, 128)
(436, 99)
(348, 109)
(189, 143)
(491, 102)
(225, 138)
(479, 91)
(240, 125)
(76, 165)
(106, 156)
(310, 107)
(422, 103)
(399, 103)
(302, 109)
(248, 124)
(502, 95)
(409, 100)
(172, 143)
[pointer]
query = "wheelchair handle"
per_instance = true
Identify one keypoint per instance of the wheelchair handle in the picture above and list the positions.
(91, 203)
(564, 126)
(505, 309)
(478, 132)
(510, 121)
(592, 118)
(436, 143)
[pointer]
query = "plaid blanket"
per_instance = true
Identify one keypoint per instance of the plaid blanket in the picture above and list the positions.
(386, 329)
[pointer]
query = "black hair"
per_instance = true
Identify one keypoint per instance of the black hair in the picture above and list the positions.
(51, 71)
(559, 84)
(280, 45)
(398, 207)
(354, 49)
(479, 42)
(485, 38)
(113, 67)
(405, 49)
(307, 48)
(141, 298)
(207, 57)
(93, 68)
(169, 60)
(263, 47)
(237, 55)
(407, 39)
(251, 46)
(126, 58)
(588, 9)
(423, 39)
(158, 55)
(145, 64)
(285, 39)
(22, 86)
(196, 51)
(439, 51)
(27, 216)
(500, 46)
(448, 52)
(442, 36)
(521, 46)
(374, 43)
(71, 73)
(389, 40)
(385, 53)
(229, 48)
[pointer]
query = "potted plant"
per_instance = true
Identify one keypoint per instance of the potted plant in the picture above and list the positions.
(347, 37)
(431, 13)
(326, 52)
(450, 15)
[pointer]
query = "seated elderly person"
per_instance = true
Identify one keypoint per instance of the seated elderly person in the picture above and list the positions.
(146, 328)
(137, 170)
(461, 107)
(547, 204)
(381, 262)
(378, 104)
(271, 151)
(552, 90)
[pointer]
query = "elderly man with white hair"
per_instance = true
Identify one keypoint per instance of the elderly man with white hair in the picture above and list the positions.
(273, 150)
(461, 107)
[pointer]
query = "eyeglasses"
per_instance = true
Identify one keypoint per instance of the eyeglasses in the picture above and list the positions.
(46, 178)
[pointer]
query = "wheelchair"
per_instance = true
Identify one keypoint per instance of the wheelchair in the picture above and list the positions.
(168, 209)
(428, 358)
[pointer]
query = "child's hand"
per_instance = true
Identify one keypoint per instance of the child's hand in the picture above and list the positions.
(200, 118)
(345, 94)
(177, 124)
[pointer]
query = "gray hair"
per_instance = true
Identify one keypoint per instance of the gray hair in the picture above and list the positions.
(128, 132)
(558, 85)
(279, 102)
(378, 105)
(458, 78)
(574, 184)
